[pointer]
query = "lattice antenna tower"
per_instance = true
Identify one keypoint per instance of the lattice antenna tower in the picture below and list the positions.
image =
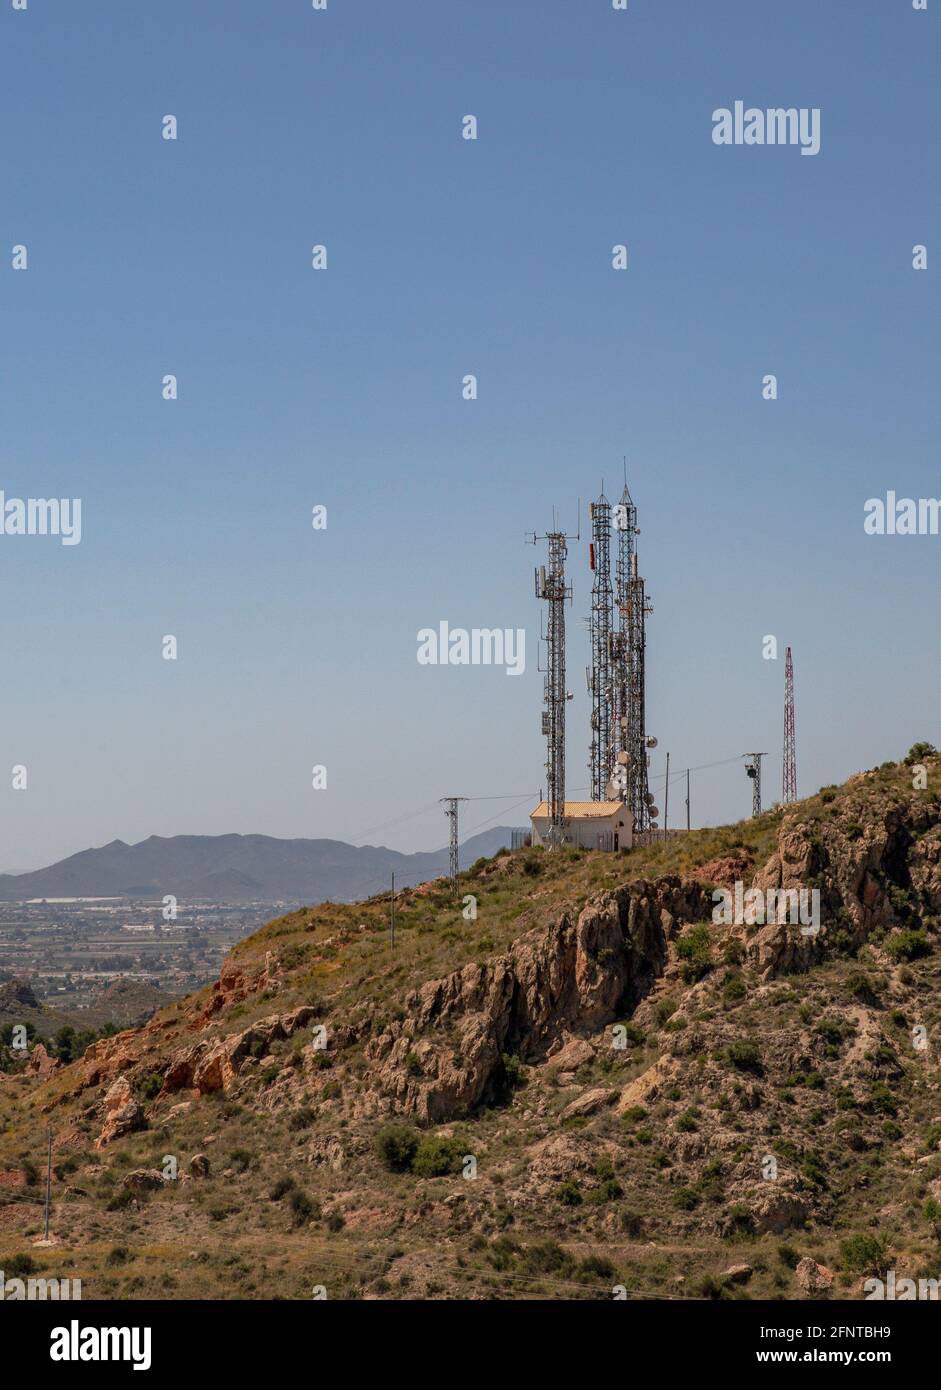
(628, 650)
(450, 804)
(790, 738)
(753, 770)
(600, 684)
(551, 586)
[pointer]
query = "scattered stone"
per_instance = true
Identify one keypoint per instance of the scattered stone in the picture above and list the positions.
(589, 1102)
(144, 1180)
(814, 1278)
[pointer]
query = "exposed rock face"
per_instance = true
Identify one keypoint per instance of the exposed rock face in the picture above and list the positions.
(40, 1063)
(199, 1166)
(570, 977)
(121, 1112)
(857, 867)
(209, 1066)
(572, 1054)
(107, 1058)
(775, 1209)
(327, 1151)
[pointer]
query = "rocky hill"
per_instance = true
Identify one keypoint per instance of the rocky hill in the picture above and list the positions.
(569, 1078)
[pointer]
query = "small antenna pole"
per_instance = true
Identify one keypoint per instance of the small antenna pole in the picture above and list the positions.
(48, 1184)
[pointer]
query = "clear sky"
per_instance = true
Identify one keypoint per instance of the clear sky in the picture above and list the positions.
(344, 387)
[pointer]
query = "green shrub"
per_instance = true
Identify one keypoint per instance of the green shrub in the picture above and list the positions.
(694, 948)
(397, 1145)
(919, 751)
(864, 1252)
(635, 1113)
(437, 1156)
(685, 1199)
(303, 1209)
(908, 944)
(745, 1055)
(569, 1193)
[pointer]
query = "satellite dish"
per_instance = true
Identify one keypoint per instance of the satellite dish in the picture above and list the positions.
(655, 813)
(649, 798)
(623, 759)
(612, 791)
(651, 741)
(654, 825)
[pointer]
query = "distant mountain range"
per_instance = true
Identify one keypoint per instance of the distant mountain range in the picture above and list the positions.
(239, 868)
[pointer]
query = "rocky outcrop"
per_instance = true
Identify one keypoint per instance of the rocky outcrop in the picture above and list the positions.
(40, 1063)
(571, 977)
(863, 869)
(590, 1102)
(122, 1113)
(212, 1065)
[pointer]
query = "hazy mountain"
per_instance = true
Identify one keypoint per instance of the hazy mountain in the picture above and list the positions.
(237, 868)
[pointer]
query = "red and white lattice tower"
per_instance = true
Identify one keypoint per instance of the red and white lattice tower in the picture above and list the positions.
(790, 742)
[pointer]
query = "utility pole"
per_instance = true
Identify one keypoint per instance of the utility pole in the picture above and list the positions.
(450, 810)
(666, 800)
(753, 770)
(551, 586)
(48, 1184)
(687, 800)
(790, 740)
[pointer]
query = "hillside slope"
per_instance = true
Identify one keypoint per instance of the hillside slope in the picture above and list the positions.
(589, 1084)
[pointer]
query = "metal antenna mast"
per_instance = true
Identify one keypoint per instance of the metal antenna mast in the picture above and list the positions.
(639, 608)
(790, 740)
(753, 770)
(450, 810)
(628, 648)
(601, 758)
(551, 586)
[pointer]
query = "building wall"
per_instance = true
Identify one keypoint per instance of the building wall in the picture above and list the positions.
(587, 833)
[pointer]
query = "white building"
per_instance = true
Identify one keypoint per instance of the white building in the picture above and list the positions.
(588, 824)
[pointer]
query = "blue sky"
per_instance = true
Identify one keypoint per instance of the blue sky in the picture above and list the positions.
(343, 387)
